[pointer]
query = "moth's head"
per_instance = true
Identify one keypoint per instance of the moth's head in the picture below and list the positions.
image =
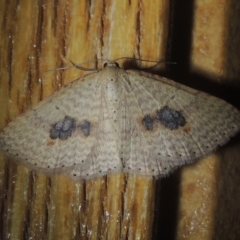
(110, 64)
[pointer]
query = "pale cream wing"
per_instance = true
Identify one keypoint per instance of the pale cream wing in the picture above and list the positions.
(63, 133)
(169, 125)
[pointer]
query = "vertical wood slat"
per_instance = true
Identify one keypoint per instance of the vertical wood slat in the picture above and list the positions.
(43, 37)
(205, 197)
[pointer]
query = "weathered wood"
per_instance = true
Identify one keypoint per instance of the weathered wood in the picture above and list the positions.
(208, 197)
(36, 37)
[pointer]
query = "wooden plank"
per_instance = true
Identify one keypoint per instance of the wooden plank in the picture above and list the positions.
(39, 36)
(207, 208)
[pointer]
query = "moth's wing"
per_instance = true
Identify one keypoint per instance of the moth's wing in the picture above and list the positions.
(152, 146)
(60, 133)
(134, 148)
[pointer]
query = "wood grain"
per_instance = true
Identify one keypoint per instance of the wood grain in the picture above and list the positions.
(41, 36)
(37, 36)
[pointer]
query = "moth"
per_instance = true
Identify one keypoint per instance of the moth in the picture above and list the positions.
(119, 120)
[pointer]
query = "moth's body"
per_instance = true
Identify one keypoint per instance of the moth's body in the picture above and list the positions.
(116, 120)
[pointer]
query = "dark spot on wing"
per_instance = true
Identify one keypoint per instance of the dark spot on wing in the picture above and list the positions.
(170, 118)
(148, 122)
(85, 128)
(63, 128)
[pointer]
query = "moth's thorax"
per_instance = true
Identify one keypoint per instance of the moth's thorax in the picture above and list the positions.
(111, 76)
(112, 91)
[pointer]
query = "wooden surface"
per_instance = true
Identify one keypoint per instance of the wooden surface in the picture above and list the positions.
(200, 201)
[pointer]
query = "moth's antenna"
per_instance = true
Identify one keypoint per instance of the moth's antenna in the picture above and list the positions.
(76, 66)
(79, 66)
(157, 62)
(145, 60)
(56, 69)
